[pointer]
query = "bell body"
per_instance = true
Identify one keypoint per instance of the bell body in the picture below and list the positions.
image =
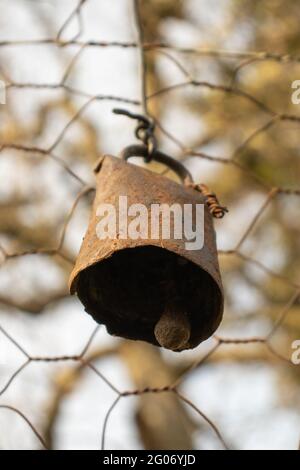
(129, 284)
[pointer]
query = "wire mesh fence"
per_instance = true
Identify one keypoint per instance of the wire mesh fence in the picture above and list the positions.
(172, 53)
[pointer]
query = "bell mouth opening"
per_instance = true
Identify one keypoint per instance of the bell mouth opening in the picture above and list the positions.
(129, 292)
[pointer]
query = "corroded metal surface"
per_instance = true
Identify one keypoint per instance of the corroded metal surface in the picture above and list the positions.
(97, 260)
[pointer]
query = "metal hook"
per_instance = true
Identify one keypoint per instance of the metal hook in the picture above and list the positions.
(144, 130)
(138, 117)
(174, 165)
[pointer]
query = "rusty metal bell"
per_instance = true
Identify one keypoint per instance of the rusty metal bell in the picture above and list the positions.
(153, 290)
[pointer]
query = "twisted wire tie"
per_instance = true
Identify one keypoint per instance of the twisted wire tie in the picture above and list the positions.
(211, 200)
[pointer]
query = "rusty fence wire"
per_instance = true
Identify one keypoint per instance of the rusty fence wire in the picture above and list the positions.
(84, 358)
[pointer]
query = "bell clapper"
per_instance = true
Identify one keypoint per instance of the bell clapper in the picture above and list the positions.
(173, 330)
